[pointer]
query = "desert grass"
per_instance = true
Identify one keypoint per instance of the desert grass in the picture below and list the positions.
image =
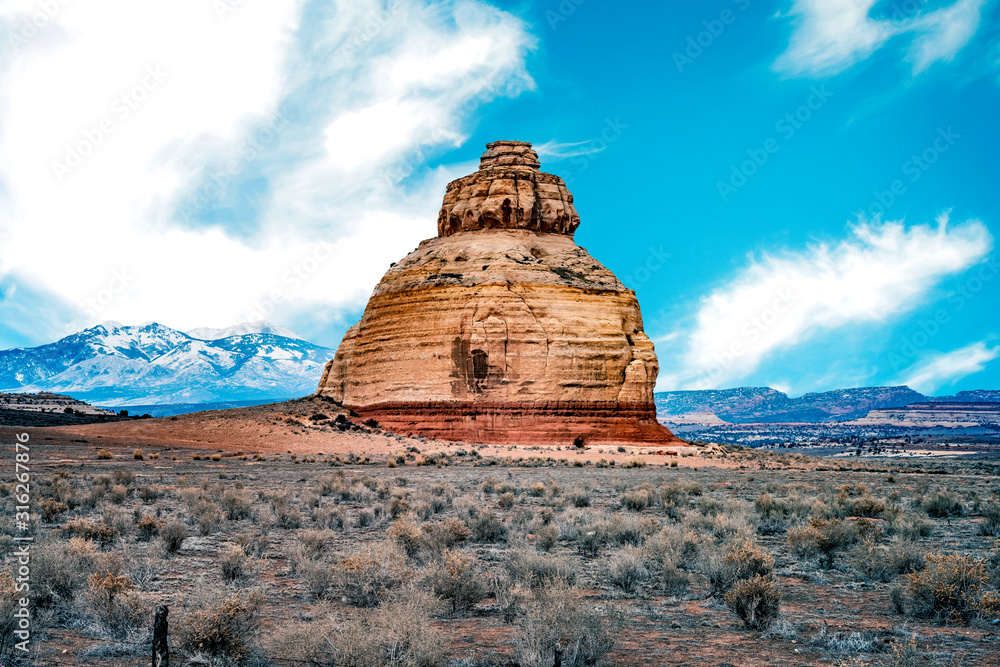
(332, 563)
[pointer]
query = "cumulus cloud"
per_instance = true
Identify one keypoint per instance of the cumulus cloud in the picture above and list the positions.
(879, 272)
(202, 167)
(948, 367)
(830, 36)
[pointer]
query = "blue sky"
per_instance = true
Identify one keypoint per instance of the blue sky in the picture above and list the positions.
(802, 193)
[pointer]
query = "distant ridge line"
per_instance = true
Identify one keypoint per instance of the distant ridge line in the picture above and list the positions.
(768, 405)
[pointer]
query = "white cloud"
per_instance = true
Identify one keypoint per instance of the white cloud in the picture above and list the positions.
(783, 387)
(559, 151)
(948, 367)
(362, 91)
(881, 271)
(943, 33)
(832, 35)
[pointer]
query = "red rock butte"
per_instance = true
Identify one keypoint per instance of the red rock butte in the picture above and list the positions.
(501, 329)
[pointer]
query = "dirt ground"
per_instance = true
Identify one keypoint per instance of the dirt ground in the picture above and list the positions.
(282, 459)
(309, 426)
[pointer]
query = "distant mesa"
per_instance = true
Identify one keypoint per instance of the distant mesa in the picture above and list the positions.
(48, 409)
(936, 414)
(748, 405)
(501, 329)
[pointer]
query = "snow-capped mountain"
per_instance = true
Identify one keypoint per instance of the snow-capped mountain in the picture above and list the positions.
(117, 365)
(207, 333)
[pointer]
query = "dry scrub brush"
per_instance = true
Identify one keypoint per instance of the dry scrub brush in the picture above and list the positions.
(823, 538)
(742, 559)
(9, 604)
(877, 562)
(755, 601)
(560, 616)
(397, 634)
(952, 589)
(458, 579)
(114, 602)
(366, 578)
(220, 624)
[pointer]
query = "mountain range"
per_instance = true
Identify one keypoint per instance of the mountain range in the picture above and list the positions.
(117, 365)
(762, 404)
(207, 333)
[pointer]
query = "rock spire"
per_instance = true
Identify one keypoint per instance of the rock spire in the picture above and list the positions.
(501, 329)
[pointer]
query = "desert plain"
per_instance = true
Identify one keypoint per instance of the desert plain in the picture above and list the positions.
(295, 534)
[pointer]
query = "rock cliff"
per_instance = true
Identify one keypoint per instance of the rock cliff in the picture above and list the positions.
(502, 329)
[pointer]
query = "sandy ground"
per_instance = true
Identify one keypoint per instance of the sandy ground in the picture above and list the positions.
(292, 427)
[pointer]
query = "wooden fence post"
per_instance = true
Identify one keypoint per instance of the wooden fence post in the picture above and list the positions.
(161, 654)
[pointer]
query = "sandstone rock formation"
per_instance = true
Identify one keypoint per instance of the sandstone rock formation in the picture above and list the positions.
(502, 329)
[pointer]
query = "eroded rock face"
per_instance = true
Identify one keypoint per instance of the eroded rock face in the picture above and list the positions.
(502, 329)
(508, 192)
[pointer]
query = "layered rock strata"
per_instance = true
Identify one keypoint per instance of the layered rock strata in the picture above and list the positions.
(502, 329)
